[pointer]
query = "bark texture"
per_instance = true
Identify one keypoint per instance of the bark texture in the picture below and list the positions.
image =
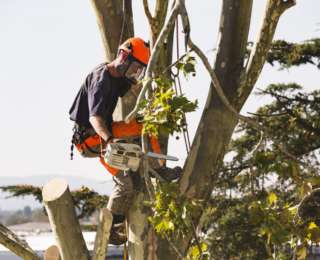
(52, 253)
(115, 21)
(138, 229)
(11, 241)
(64, 223)
(273, 12)
(217, 122)
(102, 236)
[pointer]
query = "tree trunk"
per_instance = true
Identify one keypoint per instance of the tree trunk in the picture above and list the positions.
(217, 122)
(115, 22)
(64, 223)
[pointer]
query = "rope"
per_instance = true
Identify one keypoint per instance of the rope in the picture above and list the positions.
(125, 248)
(125, 251)
(176, 78)
(123, 21)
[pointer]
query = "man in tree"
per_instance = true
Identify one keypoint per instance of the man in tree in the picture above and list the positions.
(94, 129)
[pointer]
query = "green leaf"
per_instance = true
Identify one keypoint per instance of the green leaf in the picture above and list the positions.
(272, 198)
(301, 252)
(195, 253)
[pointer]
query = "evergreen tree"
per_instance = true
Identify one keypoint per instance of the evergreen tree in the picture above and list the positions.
(255, 211)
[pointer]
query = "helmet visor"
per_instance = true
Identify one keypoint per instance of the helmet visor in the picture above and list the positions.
(135, 71)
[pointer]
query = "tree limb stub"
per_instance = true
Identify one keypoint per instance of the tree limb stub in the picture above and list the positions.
(52, 253)
(64, 223)
(15, 245)
(102, 236)
(273, 12)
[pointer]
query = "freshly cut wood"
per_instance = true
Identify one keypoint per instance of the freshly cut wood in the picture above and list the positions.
(11, 241)
(64, 223)
(102, 236)
(52, 253)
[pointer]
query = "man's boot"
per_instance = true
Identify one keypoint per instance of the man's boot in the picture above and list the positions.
(118, 234)
(169, 174)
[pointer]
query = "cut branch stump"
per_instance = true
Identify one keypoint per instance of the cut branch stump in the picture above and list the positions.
(52, 253)
(64, 223)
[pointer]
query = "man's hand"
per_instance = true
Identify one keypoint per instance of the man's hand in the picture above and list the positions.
(100, 127)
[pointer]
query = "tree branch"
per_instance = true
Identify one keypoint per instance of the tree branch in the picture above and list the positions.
(178, 252)
(274, 10)
(268, 115)
(154, 57)
(14, 244)
(218, 88)
(147, 12)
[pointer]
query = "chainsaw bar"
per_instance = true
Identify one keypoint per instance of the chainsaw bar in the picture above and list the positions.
(162, 156)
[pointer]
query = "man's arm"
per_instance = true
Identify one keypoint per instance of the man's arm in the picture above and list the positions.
(100, 127)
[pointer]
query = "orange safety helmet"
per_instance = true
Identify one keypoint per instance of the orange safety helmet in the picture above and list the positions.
(137, 48)
(135, 54)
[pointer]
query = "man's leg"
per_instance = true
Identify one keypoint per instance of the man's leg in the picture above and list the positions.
(119, 203)
(122, 194)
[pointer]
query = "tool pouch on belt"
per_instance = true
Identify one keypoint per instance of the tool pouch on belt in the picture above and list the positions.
(87, 142)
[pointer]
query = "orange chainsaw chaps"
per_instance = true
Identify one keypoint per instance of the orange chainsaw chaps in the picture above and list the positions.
(155, 146)
(122, 130)
(93, 141)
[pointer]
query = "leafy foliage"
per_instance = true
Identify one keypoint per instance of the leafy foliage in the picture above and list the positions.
(172, 211)
(23, 190)
(165, 110)
(86, 200)
(254, 212)
(292, 54)
(172, 217)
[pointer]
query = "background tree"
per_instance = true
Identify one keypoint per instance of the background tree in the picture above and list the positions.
(254, 211)
(86, 201)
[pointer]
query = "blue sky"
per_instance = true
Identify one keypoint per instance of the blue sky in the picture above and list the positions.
(46, 49)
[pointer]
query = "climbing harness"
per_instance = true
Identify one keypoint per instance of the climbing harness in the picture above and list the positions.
(87, 142)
